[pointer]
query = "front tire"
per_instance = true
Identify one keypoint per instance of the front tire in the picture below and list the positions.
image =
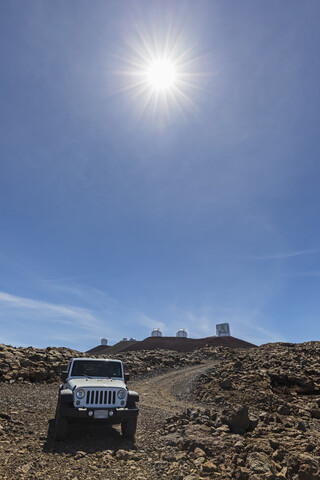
(128, 428)
(61, 425)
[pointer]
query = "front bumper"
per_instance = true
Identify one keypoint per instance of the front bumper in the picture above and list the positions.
(115, 415)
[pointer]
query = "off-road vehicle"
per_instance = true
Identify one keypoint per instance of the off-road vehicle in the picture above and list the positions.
(95, 390)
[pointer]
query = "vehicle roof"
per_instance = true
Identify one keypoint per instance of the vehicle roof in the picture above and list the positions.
(99, 359)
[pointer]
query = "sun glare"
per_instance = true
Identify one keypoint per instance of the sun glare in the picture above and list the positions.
(161, 74)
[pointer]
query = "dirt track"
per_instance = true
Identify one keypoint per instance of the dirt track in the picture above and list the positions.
(28, 450)
(170, 392)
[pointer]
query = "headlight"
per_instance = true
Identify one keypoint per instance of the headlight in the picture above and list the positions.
(121, 394)
(80, 393)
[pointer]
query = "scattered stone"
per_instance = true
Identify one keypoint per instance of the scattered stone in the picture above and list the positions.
(79, 455)
(302, 426)
(198, 452)
(5, 416)
(238, 420)
(260, 463)
(209, 467)
(266, 427)
(199, 461)
(226, 384)
(315, 413)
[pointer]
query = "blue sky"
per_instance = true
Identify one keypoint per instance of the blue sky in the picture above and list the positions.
(119, 215)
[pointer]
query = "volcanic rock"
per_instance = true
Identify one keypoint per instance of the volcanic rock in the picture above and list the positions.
(238, 420)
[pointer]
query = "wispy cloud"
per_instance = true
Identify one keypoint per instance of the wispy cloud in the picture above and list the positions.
(150, 323)
(38, 322)
(35, 321)
(79, 291)
(246, 324)
(66, 313)
(276, 256)
(303, 274)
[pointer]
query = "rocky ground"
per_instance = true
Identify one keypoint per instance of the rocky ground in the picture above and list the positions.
(263, 414)
(18, 365)
(216, 413)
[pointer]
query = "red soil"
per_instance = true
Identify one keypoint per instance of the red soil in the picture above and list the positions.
(186, 344)
(169, 343)
(98, 349)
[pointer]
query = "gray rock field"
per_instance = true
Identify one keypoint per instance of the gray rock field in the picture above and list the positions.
(215, 413)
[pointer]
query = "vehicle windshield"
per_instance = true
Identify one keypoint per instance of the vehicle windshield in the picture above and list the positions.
(96, 368)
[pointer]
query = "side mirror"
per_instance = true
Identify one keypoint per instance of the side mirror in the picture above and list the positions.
(64, 375)
(126, 377)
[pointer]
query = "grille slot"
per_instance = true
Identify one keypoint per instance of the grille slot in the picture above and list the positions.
(101, 397)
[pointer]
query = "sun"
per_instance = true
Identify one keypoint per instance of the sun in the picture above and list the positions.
(161, 74)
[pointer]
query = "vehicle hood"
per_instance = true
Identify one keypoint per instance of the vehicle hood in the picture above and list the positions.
(95, 383)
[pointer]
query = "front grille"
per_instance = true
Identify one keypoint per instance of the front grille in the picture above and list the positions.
(105, 397)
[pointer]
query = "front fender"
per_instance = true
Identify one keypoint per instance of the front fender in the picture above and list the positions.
(133, 397)
(66, 396)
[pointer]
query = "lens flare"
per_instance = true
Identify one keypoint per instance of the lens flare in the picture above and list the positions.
(159, 72)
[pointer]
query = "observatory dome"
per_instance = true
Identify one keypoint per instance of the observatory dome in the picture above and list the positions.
(181, 333)
(156, 332)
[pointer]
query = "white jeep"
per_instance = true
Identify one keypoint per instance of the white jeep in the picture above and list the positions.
(94, 389)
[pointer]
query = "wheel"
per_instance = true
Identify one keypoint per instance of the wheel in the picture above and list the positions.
(128, 428)
(61, 425)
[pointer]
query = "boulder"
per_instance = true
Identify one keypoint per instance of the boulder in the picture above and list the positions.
(259, 463)
(237, 420)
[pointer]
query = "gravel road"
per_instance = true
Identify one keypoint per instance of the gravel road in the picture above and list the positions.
(171, 392)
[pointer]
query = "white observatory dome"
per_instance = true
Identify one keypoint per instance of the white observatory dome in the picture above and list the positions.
(181, 333)
(156, 332)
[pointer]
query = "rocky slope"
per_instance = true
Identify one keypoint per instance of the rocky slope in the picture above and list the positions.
(45, 365)
(282, 377)
(216, 413)
(262, 419)
(33, 364)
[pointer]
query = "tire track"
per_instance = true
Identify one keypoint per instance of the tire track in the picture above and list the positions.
(171, 391)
